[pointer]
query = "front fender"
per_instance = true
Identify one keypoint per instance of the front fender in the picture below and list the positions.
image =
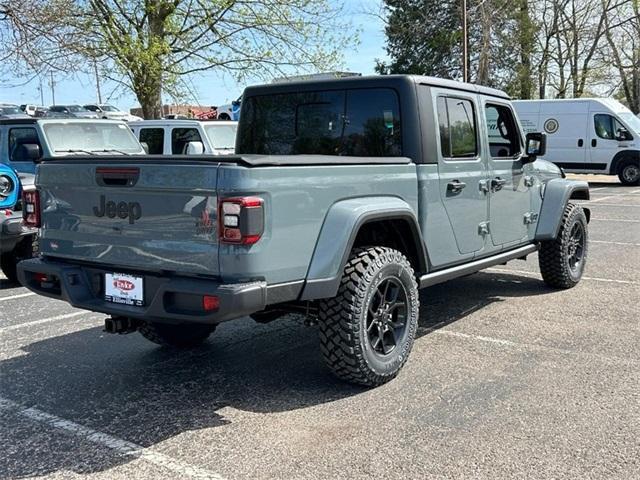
(10, 200)
(337, 236)
(557, 193)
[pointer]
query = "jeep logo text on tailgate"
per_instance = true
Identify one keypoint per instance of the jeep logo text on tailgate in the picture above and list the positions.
(110, 209)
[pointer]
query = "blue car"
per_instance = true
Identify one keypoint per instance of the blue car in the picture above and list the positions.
(16, 241)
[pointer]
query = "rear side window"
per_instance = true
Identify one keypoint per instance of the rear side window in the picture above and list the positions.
(458, 128)
(19, 137)
(154, 138)
(180, 137)
(359, 122)
(502, 131)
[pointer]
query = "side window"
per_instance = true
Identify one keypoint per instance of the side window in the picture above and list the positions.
(458, 128)
(372, 123)
(154, 138)
(604, 126)
(180, 137)
(318, 123)
(502, 131)
(19, 137)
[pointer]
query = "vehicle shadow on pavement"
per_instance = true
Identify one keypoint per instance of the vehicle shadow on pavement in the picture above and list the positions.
(133, 390)
(6, 284)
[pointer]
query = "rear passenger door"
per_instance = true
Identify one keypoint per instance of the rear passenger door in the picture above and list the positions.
(509, 187)
(462, 170)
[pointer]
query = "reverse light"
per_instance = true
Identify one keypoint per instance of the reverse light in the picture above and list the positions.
(241, 220)
(31, 208)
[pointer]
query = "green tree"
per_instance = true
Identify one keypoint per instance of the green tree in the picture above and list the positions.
(150, 45)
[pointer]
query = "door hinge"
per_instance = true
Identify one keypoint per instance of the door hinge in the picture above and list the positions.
(484, 186)
(530, 217)
(528, 181)
(483, 228)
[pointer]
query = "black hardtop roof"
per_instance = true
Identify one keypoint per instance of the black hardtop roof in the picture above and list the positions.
(18, 121)
(371, 81)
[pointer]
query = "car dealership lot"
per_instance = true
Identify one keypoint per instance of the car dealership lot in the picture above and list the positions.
(508, 378)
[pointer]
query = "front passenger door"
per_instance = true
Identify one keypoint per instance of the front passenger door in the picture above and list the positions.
(508, 185)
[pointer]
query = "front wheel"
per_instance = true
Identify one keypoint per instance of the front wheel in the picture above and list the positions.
(367, 330)
(562, 261)
(186, 335)
(629, 173)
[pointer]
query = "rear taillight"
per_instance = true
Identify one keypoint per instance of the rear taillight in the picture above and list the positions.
(241, 220)
(31, 208)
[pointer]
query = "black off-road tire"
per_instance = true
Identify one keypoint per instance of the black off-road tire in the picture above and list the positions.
(26, 249)
(342, 320)
(629, 172)
(176, 336)
(8, 265)
(555, 256)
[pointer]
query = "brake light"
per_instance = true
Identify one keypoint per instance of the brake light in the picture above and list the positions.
(31, 208)
(241, 220)
(210, 303)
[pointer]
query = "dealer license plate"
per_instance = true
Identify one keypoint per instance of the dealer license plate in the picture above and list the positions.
(124, 289)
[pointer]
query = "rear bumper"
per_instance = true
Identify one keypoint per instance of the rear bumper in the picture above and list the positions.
(167, 299)
(12, 231)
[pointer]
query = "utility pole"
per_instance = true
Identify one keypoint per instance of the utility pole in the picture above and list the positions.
(41, 92)
(53, 91)
(95, 68)
(465, 43)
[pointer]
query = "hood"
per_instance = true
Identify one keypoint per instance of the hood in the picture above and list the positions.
(14, 116)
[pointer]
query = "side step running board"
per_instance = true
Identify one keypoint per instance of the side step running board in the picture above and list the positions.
(475, 266)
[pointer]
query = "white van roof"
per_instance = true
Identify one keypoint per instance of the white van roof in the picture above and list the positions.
(578, 105)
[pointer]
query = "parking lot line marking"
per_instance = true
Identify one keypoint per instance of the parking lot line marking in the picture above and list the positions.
(593, 279)
(600, 199)
(44, 320)
(121, 447)
(614, 220)
(530, 346)
(15, 297)
(616, 243)
(611, 204)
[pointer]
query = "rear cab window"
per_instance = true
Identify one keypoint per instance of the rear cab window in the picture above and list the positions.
(358, 122)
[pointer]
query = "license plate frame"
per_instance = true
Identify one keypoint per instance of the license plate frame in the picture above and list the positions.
(124, 289)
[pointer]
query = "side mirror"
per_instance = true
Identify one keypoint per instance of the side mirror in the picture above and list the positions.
(194, 148)
(536, 145)
(145, 147)
(31, 151)
(623, 135)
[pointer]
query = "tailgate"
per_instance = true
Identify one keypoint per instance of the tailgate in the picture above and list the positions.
(154, 217)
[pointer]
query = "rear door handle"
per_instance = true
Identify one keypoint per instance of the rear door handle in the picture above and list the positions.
(455, 186)
(497, 183)
(580, 142)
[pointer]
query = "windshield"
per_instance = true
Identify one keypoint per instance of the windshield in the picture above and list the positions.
(109, 108)
(91, 137)
(631, 120)
(9, 110)
(222, 137)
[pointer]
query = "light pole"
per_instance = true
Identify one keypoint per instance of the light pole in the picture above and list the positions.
(53, 91)
(465, 43)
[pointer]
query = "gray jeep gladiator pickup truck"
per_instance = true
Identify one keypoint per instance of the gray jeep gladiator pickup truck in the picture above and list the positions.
(344, 198)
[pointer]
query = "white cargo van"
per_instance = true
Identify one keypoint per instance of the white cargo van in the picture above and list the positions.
(587, 135)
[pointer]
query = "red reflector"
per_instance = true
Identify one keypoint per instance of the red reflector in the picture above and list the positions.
(40, 277)
(210, 303)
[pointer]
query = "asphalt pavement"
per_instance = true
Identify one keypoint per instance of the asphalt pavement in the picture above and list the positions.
(508, 379)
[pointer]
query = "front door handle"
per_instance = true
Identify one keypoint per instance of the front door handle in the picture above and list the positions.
(594, 143)
(455, 186)
(497, 183)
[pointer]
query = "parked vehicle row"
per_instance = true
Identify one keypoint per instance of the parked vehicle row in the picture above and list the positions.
(344, 198)
(186, 137)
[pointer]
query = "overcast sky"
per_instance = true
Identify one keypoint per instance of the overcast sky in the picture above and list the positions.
(209, 88)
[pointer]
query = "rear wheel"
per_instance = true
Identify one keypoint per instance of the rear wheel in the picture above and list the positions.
(367, 330)
(178, 336)
(629, 172)
(26, 249)
(562, 261)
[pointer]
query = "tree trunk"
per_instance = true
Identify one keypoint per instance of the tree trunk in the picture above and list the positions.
(526, 45)
(485, 46)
